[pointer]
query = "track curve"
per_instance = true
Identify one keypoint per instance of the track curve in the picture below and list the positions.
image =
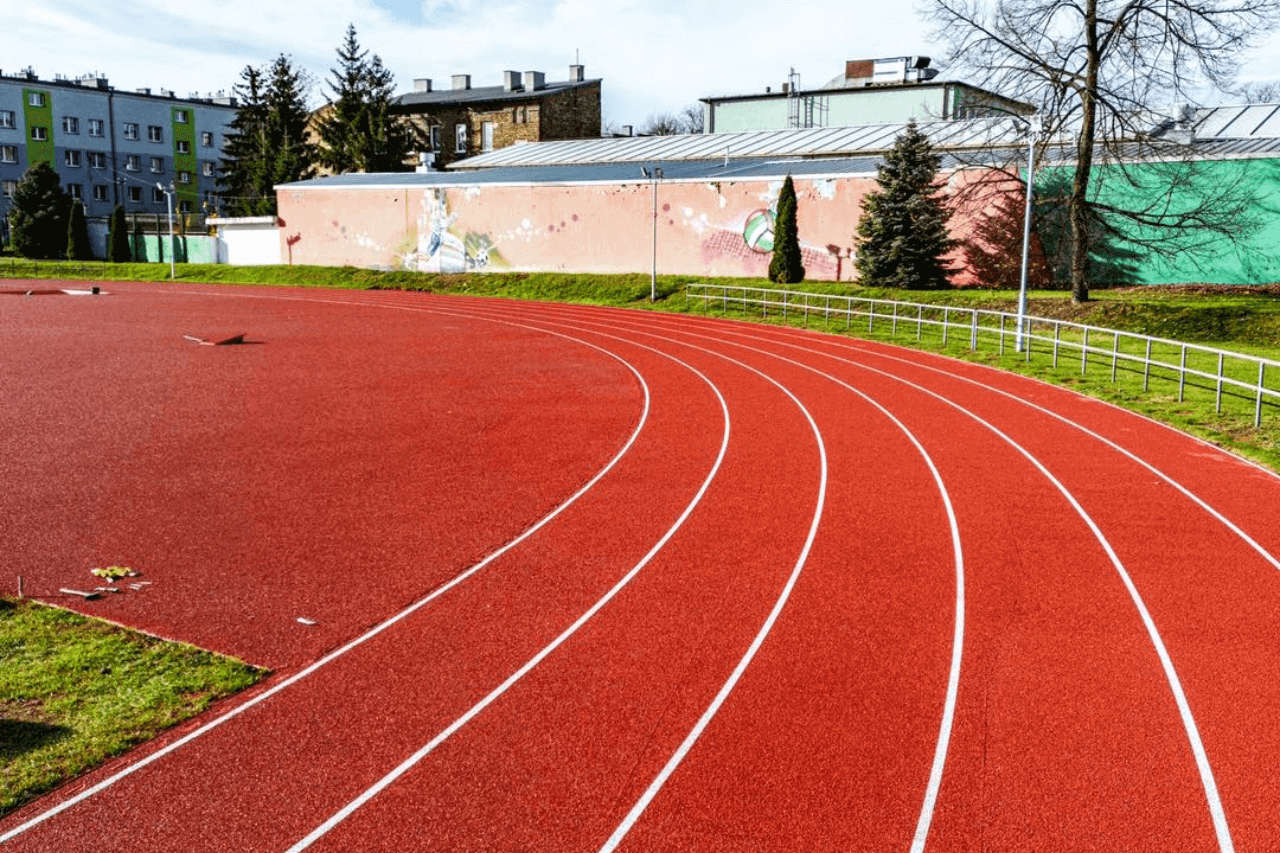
(797, 590)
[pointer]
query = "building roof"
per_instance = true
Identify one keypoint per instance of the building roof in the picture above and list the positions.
(485, 94)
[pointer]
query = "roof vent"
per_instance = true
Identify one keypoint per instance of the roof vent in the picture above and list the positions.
(534, 80)
(422, 84)
(144, 91)
(577, 73)
(511, 81)
(461, 82)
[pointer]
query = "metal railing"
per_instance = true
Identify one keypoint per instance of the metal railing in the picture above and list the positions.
(1225, 373)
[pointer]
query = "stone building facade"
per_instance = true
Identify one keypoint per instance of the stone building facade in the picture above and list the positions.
(463, 121)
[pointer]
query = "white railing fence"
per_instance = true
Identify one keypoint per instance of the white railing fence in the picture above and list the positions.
(1224, 373)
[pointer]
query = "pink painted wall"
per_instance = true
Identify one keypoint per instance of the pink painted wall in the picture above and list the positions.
(719, 228)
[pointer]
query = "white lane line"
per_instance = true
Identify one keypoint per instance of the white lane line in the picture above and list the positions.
(946, 725)
(1214, 802)
(368, 635)
(414, 759)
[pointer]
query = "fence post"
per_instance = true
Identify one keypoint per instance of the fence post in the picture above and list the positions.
(1115, 356)
(894, 328)
(1257, 409)
(784, 306)
(919, 320)
(1182, 373)
(848, 312)
(1057, 338)
(1084, 353)
(946, 325)
(871, 315)
(973, 337)
(1001, 333)
(1026, 341)
(826, 323)
(1146, 368)
(1218, 400)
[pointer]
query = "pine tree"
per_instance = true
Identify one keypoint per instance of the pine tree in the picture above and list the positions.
(78, 248)
(38, 213)
(358, 132)
(902, 235)
(268, 144)
(118, 238)
(786, 267)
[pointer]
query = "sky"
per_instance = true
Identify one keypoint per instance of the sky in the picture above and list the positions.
(653, 56)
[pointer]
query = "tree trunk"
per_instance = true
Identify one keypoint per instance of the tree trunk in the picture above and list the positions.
(1079, 203)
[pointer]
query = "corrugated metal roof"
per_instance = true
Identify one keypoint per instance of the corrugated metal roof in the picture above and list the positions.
(855, 140)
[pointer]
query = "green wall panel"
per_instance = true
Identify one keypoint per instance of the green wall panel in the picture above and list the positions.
(38, 116)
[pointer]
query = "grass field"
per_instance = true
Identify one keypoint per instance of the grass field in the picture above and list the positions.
(75, 692)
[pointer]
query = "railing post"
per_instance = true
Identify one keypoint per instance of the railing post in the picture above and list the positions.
(848, 312)
(1146, 368)
(826, 323)
(784, 307)
(1084, 353)
(1218, 400)
(894, 328)
(1257, 408)
(806, 309)
(1001, 333)
(1115, 356)
(1057, 339)
(871, 316)
(919, 320)
(973, 336)
(946, 325)
(1182, 374)
(1026, 341)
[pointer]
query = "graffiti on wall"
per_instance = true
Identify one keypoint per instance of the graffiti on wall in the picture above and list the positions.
(435, 246)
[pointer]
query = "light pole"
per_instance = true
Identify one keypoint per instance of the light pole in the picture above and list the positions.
(1033, 130)
(168, 200)
(654, 176)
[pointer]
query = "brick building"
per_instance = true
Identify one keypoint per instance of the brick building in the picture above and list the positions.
(463, 121)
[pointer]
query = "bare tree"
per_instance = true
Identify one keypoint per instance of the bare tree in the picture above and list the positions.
(1259, 92)
(1098, 71)
(688, 120)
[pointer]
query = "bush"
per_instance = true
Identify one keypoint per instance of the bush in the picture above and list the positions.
(786, 267)
(39, 212)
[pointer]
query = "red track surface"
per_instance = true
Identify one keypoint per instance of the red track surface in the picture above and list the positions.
(739, 636)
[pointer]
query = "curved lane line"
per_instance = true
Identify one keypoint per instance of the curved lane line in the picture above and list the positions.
(410, 762)
(1214, 802)
(371, 633)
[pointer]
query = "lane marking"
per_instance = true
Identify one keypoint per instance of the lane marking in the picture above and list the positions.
(371, 633)
(1214, 802)
(410, 762)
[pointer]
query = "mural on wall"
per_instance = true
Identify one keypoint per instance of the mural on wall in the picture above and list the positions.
(435, 247)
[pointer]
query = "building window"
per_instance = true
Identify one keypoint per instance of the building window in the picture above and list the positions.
(183, 146)
(486, 136)
(132, 163)
(39, 134)
(460, 138)
(76, 191)
(157, 164)
(130, 130)
(135, 194)
(184, 177)
(180, 116)
(435, 137)
(97, 127)
(6, 119)
(157, 194)
(184, 206)
(71, 158)
(7, 188)
(206, 139)
(99, 192)
(8, 153)
(97, 160)
(70, 124)
(155, 133)
(35, 99)
(206, 168)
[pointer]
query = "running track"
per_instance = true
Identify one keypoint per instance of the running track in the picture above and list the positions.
(589, 579)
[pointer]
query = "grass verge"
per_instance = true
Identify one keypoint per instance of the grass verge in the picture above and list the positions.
(76, 691)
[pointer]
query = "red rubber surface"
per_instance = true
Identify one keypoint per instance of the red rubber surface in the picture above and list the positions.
(365, 449)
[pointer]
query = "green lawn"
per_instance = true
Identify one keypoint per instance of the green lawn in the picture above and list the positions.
(76, 691)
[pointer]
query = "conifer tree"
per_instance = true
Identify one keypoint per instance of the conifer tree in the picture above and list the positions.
(78, 248)
(38, 213)
(786, 267)
(902, 235)
(358, 132)
(118, 237)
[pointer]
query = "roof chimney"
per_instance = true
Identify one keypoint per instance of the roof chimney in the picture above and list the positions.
(422, 84)
(511, 81)
(461, 81)
(577, 73)
(534, 80)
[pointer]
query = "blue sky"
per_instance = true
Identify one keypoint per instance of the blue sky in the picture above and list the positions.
(653, 55)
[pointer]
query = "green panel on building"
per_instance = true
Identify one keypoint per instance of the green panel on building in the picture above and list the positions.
(37, 110)
(182, 120)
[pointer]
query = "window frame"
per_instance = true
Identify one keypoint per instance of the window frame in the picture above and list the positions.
(101, 192)
(133, 163)
(182, 146)
(71, 158)
(181, 116)
(157, 165)
(157, 195)
(206, 138)
(97, 159)
(39, 133)
(8, 188)
(76, 191)
(460, 138)
(130, 131)
(97, 128)
(155, 133)
(35, 99)
(11, 151)
(7, 120)
(71, 124)
(135, 195)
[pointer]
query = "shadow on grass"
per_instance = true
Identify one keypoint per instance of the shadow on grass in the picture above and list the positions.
(20, 736)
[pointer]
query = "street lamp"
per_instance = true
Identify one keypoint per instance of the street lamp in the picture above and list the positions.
(1033, 130)
(168, 200)
(654, 176)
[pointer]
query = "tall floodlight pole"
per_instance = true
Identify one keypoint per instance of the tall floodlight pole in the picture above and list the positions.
(168, 200)
(1033, 130)
(654, 176)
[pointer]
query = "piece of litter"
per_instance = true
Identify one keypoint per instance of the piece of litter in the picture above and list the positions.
(135, 586)
(87, 596)
(106, 589)
(305, 621)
